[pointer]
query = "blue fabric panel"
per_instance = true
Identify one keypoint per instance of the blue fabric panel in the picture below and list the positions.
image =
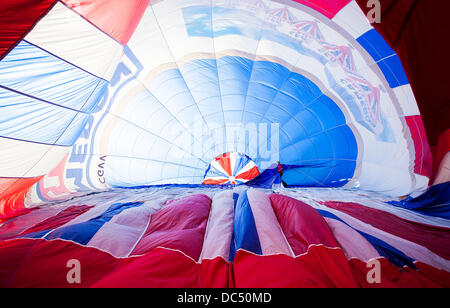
(35, 72)
(240, 163)
(26, 118)
(375, 45)
(234, 76)
(245, 234)
(394, 255)
(83, 232)
(434, 202)
(201, 76)
(267, 178)
(393, 71)
(233, 246)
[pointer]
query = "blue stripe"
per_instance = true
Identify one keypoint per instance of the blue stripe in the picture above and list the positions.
(241, 162)
(41, 100)
(27, 119)
(391, 253)
(434, 202)
(393, 71)
(245, 234)
(213, 172)
(39, 74)
(375, 45)
(233, 247)
(83, 232)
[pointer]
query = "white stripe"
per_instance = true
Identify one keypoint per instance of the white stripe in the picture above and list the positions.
(215, 164)
(27, 159)
(122, 232)
(72, 38)
(353, 20)
(233, 160)
(270, 233)
(219, 229)
(407, 101)
(246, 168)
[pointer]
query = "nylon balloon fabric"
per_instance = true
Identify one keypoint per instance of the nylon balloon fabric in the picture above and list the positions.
(131, 131)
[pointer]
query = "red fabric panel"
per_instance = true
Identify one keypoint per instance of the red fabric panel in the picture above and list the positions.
(418, 32)
(393, 277)
(162, 268)
(17, 17)
(45, 263)
(249, 175)
(12, 254)
(118, 18)
(302, 225)
(159, 268)
(424, 158)
(12, 196)
(327, 268)
(181, 225)
(215, 274)
(434, 238)
(40, 263)
(326, 7)
(62, 218)
(214, 182)
(224, 162)
(321, 267)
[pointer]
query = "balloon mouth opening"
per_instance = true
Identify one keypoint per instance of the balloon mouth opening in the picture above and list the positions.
(231, 168)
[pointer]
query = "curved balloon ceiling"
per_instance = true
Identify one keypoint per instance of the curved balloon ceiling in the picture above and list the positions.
(212, 143)
(100, 94)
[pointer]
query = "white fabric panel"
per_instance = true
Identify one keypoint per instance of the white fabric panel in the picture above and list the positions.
(120, 235)
(421, 184)
(172, 25)
(407, 100)
(271, 236)
(72, 38)
(219, 229)
(352, 243)
(27, 159)
(385, 167)
(352, 20)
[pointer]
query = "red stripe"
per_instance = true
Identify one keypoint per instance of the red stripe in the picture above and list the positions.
(12, 196)
(431, 237)
(180, 225)
(215, 182)
(41, 263)
(17, 18)
(60, 219)
(249, 175)
(424, 159)
(224, 161)
(325, 7)
(302, 225)
(163, 268)
(118, 18)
